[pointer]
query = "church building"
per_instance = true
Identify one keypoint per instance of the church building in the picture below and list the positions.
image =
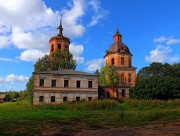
(119, 56)
(63, 85)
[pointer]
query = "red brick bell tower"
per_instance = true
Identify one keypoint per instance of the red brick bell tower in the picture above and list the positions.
(119, 56)
(59, 42)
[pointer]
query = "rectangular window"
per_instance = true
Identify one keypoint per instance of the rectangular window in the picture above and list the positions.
(41, 98)
(89, 84)
(78, 99)
(78, 84)
(41, 82)
(53, 83)
(52, 98)
(129, 77)
(89, 98)
(64, 99)
(66, 83)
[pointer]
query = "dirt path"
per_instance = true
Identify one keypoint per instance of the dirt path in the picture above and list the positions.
(171, 129)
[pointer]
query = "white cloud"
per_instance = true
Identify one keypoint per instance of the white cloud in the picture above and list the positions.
(77, 50)
(31, 55)
(71, 19)
(14, 78)
(175, 58)
(172, 41)
(4, 42)
(161, 54)
(160, 39)
(7, 59)
(100, 13)
(94, 64)
(4, 29)
(168, 40)
(26, 15)
(30, 40)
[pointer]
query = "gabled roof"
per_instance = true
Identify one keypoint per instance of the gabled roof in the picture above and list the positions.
(2, 96)
(66, 72)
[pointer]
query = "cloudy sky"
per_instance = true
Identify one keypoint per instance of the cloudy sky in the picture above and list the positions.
(150, 28)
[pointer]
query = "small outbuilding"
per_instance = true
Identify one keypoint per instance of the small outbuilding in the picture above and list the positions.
(3, 98)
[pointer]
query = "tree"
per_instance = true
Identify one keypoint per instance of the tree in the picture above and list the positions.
(30, 89)
(108, 77)
(60, 59)
(97, 72)
(158, 81)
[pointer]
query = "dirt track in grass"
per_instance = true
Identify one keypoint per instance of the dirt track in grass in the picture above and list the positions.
(171, 129)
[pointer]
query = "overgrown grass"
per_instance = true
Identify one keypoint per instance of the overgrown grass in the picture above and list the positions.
(21, 118)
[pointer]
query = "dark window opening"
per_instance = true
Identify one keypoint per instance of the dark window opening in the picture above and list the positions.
(53, 84)
(59, 46)
(78, 84)
(89, 98)
(41, 82)
(52, 47)
(122, 78)
(52, 98)
(78, 99)
(112, 61)
(122, 60)
(41, 98)
(129, 77)
(123, 93)
(64, 99)
(89, 84)
(66, 83)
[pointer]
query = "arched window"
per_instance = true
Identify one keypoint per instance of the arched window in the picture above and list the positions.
(122, 60)
(59, 46)
(52, 47)
(112, 61)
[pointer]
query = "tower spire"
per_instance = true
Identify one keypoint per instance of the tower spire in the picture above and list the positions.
(117, 30)
(61, 21)
(60, 28)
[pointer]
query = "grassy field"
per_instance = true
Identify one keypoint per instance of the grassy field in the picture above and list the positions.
(21, 118)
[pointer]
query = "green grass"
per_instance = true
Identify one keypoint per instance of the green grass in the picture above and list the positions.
(21, 118)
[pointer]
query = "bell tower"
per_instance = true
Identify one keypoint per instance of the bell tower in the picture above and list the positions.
(59, 42)
(119, 56)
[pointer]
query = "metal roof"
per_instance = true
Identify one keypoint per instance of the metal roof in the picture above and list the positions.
(65, 72)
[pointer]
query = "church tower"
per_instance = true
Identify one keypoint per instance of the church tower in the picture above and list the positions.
(59, 42)
(119, 56)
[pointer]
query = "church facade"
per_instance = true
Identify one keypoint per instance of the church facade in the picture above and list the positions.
(119, 56)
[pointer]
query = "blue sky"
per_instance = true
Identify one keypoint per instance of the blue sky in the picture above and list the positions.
(150, 28)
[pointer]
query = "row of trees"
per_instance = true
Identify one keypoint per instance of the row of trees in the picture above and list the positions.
(157, 81)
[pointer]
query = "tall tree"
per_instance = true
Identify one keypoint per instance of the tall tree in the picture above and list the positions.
(108, 77)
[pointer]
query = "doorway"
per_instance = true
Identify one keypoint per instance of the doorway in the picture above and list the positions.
(123, 93)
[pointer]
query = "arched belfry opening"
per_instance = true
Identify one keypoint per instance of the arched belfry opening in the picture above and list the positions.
(59, 42)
